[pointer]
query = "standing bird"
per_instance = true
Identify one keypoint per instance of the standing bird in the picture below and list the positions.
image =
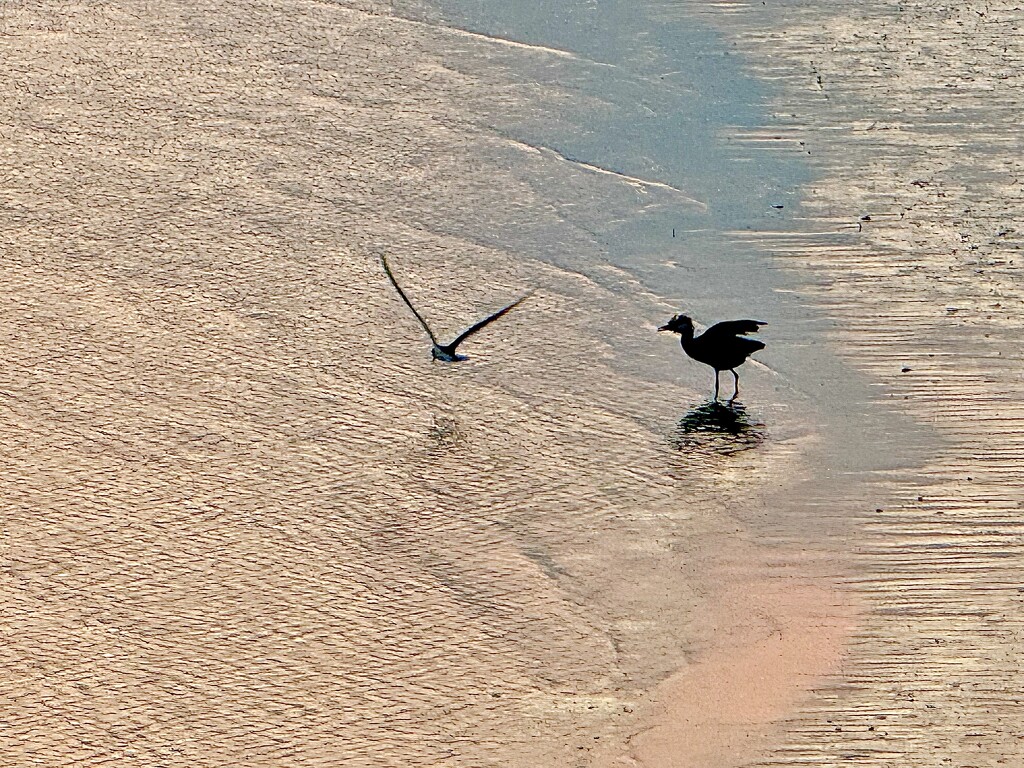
(723, 346)
(446, 352)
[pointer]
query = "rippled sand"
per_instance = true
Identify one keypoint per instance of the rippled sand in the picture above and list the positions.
(247, 519)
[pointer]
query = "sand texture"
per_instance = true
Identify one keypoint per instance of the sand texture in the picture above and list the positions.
(910, 113)
(248, 521)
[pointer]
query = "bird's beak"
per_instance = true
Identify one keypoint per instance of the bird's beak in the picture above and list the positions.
(664, 328)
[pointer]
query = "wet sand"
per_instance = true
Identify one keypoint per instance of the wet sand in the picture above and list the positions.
(909, 113)
(250, 522)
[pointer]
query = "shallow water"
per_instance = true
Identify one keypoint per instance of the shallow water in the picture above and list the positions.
(910, 113)
(654, 95)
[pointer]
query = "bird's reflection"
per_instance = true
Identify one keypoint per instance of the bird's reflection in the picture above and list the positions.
(717, 427)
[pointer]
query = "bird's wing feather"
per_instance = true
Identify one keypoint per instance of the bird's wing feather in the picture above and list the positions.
(733, 328)
(474, 328)
(405, 298)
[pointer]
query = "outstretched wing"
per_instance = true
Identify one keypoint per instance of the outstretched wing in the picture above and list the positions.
(487, 320)
(405, 298)
(732, 328)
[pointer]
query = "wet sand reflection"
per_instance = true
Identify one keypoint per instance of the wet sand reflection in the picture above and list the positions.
(714, 427)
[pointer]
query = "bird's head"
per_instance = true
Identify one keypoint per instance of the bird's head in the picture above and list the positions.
(680, 324)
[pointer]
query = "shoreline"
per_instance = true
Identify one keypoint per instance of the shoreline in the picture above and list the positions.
(910, 235)
(815, 505)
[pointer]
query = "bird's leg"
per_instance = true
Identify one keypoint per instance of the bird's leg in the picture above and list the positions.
(736, 376)
(716, 385)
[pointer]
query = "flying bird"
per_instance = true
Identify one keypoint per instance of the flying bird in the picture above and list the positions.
(723, 346)
(446, 352)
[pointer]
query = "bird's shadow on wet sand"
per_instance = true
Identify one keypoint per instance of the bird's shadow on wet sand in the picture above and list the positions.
(717, 427)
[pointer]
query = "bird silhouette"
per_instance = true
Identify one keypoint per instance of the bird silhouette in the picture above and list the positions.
(446, 352)
(723, 346)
